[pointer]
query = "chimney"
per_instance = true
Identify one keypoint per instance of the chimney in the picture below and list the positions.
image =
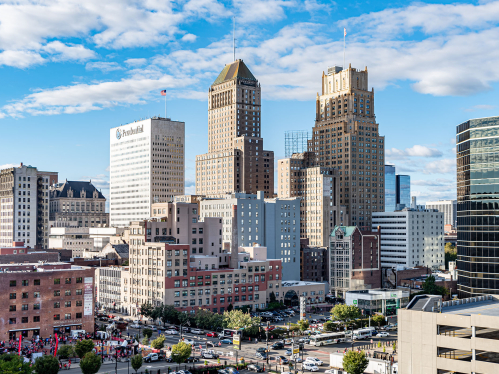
(234, 247)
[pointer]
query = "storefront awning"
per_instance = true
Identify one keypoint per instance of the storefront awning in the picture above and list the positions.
(32, 328)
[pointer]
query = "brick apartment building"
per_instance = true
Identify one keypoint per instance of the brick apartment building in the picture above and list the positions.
(354, 260)
(314, 263)
(45, 299)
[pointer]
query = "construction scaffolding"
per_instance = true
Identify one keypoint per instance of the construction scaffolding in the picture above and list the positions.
(295, 141)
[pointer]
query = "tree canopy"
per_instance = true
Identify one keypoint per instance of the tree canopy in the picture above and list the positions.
(13, 364)
(303, 324)
(355, 362)
(47, 364)
(181, 352)
(450, 254)
(90, 363)
(345, 313)
(83, 347)
(65, 351)
(378, 318)
(236, 319)
(136, 362)
(159, 342)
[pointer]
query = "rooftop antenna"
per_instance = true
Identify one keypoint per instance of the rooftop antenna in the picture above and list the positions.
(234, 36)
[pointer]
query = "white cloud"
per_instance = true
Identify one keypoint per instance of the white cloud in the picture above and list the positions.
(414, 151)
(479, 107)
(7, 166)
(104, 66)
(63, 52)
(447, 165)
(136, 62)
(189, 38)
(249, 11)
(81, 97)
(20, 59)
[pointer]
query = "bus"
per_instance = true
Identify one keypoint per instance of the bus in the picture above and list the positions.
(363, 333)
(228, 332)
(323, 339)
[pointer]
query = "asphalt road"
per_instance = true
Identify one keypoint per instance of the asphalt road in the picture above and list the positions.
(248, 349)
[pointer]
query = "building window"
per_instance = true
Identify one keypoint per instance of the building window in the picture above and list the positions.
(12, 321)
(68, 281)
(12, 308)
(12, 296)
(78, 280)
(24, 307)
(57, 317)
(24, 320)
(36, 282)
(13, 283)
(79, 303)
(25, 295)
(78, 315)
(67, 304)
(57, 281)
(78, 292)
(36, 294)
(36, 319)
(57, 293)
(67, 293)
(36, 306)
(25, 282)
(67, 316)
(57, 304)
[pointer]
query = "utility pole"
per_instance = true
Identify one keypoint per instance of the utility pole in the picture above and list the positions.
(267, 339)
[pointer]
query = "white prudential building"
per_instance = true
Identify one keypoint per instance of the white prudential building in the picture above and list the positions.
(146, 166)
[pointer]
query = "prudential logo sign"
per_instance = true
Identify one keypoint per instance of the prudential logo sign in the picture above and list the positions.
(134, 130)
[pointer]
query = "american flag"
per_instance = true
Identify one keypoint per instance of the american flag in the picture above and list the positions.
(163, 93)
(344, 31)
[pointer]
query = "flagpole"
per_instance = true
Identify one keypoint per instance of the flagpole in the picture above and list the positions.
(165, 104)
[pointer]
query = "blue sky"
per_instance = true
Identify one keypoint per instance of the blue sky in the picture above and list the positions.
(70, 70)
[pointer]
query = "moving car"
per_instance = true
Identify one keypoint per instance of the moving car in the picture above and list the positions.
(192, 359)
(189, 341)
(226, 341)
(196, 331)
(296, 358)
(212, 335)
(313, 360)
(261, 355)
(277, 345)
(261, 350)
(171, 332)
(310, 367)
(134, 326)
(382, 335)
(288, 352)
(151, 357)
(255, 368)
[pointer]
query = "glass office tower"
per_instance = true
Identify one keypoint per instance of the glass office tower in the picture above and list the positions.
(478, 207)
(390, 189)
(404, 190)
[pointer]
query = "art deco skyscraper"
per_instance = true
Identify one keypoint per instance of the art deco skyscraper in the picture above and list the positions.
(345, 136)
(236, 160)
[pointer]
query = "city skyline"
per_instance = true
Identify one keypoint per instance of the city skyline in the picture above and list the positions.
(102, 75)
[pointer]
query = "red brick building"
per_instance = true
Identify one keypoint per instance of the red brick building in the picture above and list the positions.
(45, 299)
(354, 260)
(17, 248)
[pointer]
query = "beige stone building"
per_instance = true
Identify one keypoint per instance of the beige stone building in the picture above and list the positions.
(346, 137)
(457, 336)
(236, 160)
(78, 204)
(319, 190)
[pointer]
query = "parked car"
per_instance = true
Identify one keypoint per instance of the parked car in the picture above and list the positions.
(296, 358)
(314, 360)
(151, 357)
(277, 345)
(207, 354)
(382, 335)
(232, 370)
(261, 355)
(255, 368)
(261, 350)
(310, 367)
(288, 352)
(196, 331)
(135, 326)
(192, 359)
(171, 332)
(212, 334)
(226, 341)
(189, 341)
(186, 329)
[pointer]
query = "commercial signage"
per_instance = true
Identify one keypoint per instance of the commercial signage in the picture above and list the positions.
(355, 302)
(236, 342)
(87, 296)
(134, 130)
(302, 308)
(296, 349)
(393, 295)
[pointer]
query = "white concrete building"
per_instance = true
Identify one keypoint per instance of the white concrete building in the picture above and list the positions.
(447, 207)
(273, 223)
(410, 238)
(146, 167)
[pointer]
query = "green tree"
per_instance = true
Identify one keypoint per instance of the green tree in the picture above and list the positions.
(169, 314)
(90, 363)
(147, 333)
(83, 347)
(125, 263)
(431, 288)
(303, 324)
(328, 326)
(145, 341)
(272, 297)
(355, 362)
(181, 352)
(146, 310)
(450, 254)
(236, 319)
(13, 364)
(46, 364)
(159, 342)
(202, 318)
(66, 351)
(230, 307)
(378, 318)
(136, 362)
(345, 313)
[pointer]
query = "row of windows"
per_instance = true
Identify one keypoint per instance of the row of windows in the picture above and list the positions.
(37, 294)
(37, 282)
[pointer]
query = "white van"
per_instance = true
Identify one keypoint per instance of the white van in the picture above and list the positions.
(102, 335)
(76, 333)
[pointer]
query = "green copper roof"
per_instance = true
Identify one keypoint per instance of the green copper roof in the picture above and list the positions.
(347, 230)
(237, 69)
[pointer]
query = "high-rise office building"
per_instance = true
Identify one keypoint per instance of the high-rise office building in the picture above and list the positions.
(319, 190)
(345, 136)
(477, 206)
(447, 207)
(236, 160)
(146, 167)
(24, 206)
(390, 188)
(403, 191)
